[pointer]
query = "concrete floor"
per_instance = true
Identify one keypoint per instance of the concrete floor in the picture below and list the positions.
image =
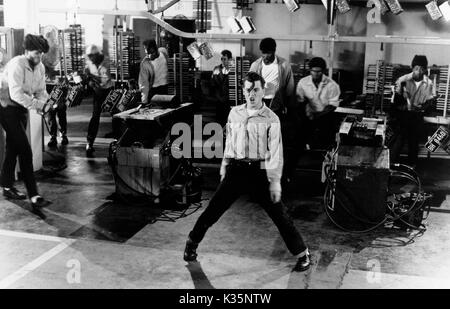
(85, 240)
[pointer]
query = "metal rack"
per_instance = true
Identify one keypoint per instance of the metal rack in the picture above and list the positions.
(125, 54)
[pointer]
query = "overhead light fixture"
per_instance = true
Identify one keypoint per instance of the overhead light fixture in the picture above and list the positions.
(206, 50)
(383, 7)
(194, 50)
(342, 6)
(292, 5)
(445, 10)
(234, 25)
(394, 6)
(247, 24)
(433, 10)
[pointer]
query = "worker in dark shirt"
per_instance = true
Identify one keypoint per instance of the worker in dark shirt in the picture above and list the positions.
(253, 162)
(220, 85)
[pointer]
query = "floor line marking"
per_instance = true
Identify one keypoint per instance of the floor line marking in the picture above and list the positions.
(31, 236)
(32, 266)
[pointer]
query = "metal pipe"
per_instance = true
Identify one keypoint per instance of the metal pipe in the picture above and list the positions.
(285, 37)
(164, 8)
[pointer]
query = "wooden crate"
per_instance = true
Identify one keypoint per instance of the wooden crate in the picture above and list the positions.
(142, 171)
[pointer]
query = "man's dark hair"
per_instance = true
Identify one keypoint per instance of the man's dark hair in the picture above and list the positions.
(268, 45)
(420, 60)
(253, 77)
(227, 53)
(36, 42)
(318, 62)
(149, 44)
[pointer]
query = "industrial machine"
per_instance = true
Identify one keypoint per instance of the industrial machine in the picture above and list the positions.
(141, 160)
(364, 190)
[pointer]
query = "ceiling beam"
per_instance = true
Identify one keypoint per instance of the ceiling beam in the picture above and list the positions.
(255, 36)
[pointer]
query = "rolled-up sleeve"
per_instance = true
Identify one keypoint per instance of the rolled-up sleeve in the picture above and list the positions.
(300, 93)
(334, 94)
(274, 160)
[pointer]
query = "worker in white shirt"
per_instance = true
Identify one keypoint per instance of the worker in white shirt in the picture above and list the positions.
(319, 96)
(280, 97)
(23, 88)
(253, 162)
(154, 72)
(277, 72)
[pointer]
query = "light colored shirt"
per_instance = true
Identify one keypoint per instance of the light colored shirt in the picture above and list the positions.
(271, 75)
(318, 98)
(22, 85)
(255, 137)
(416, 93)
(149, 74)
(161, 71)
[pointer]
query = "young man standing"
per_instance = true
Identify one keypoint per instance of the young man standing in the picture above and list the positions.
(277, 72)
(100, 81)
(154, 72)
(413, 92)
(253, 162)
(319, 96)
(220, 85)
(280, 97)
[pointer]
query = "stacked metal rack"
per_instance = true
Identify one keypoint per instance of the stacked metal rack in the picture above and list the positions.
(443, 87)
(73, 48)
(125, 55)
(240, 67)
(181, 76)
(378, 90)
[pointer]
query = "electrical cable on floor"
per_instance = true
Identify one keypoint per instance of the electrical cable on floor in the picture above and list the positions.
(113, 160)
(392, 217)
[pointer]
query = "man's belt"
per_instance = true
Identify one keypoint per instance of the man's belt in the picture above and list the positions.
(246, 162)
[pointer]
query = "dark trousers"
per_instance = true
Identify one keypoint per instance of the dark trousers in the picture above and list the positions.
(319, 133)
(408, 129)
(100, 96)
(242, 178)
(222, 111)
(14, 122)
(61, 113)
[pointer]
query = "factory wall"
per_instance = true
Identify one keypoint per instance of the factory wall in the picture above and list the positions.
(413, 22)
(272, 19)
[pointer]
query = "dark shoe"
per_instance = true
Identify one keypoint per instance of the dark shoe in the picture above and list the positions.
(13, 194)
(53, 143)
(40, 203)
(190, 253)
(64, 141)
(303, 263)
(89, 151)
